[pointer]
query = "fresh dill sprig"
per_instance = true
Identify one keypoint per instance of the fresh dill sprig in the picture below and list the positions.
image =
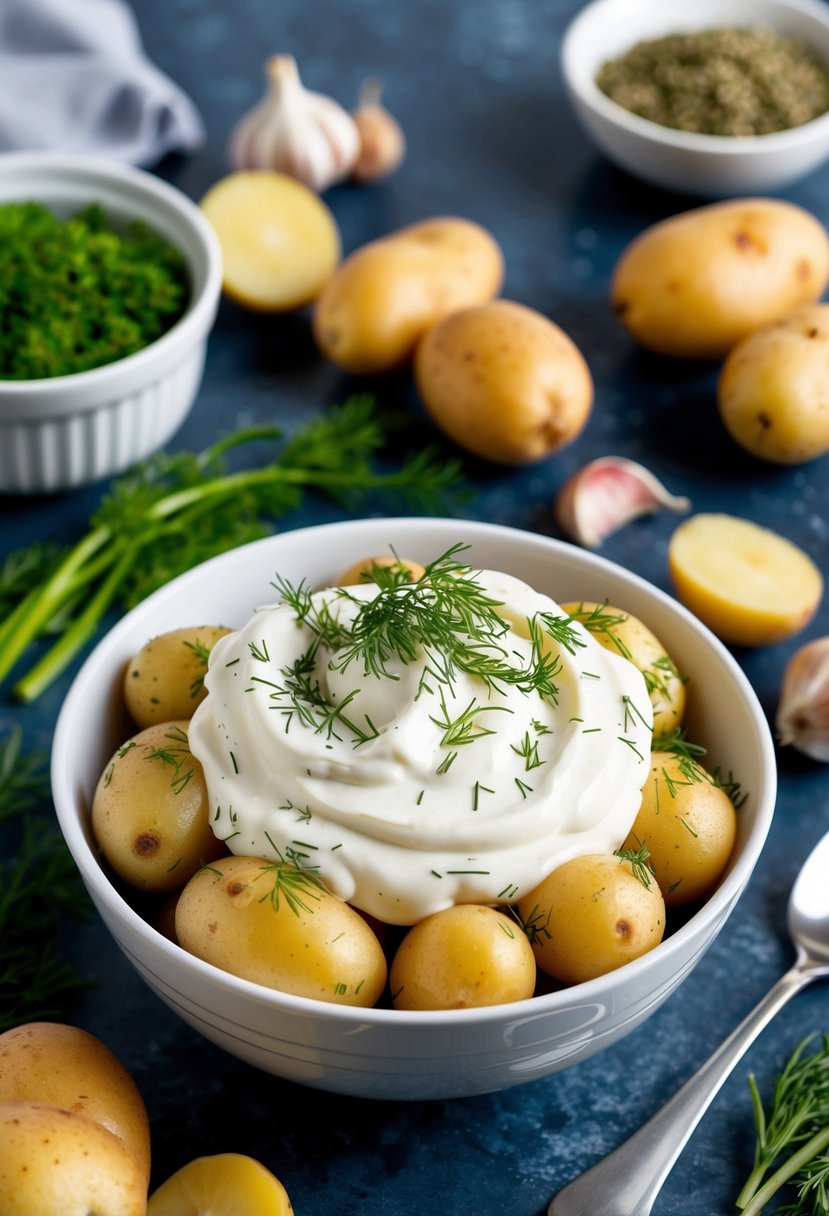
(39, 889)
(175, 510)
(792, 1136)
(639, 862)
(597, 619)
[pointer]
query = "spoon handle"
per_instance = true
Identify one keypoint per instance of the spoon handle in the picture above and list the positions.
(628, 1180)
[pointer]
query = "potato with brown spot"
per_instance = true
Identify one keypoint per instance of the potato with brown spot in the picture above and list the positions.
(165, 679)
(384, 296)
(773, 390)
(695, 284)
(65, 1066)
(271, 923)
(54, 1162)
(592, 914)
(504, 382)
(150, 811)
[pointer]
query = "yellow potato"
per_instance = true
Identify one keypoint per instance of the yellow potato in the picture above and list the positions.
(225, 1184)
(464, 957)
(626, 635)
(593, 914)
(280, 242)
(504, 382)
(150, 811)
(688, 825)
(57, 1163)
(59, 1065)
(276, 925)
(748, 584)
(693, 285)
(360, 572)
(165, 680)
(386, 294)
(773, 391)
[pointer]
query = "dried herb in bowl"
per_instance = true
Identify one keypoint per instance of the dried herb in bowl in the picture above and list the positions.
(78, 293)
(723, 81)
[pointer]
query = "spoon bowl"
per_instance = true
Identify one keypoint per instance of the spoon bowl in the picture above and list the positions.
(631, 1177)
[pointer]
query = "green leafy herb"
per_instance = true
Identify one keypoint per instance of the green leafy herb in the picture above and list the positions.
(39, 888)
(77, 294)
(792, 1137)
(640, 863)
(177, 510)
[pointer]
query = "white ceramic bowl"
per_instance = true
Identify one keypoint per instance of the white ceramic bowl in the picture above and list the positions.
(67, 431)
(706, 165)
(379, 1052)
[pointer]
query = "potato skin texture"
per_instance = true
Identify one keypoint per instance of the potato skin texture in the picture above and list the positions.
(631, 637)
(359, 572)
(64, 1066)
(384, 296)
(165, 679)
(688, 825)
(695, 284)
(465, 957)
(318, 948)
(57, 1163)
(150, 811)
(773, 390)
(591, 916)
(504, 382)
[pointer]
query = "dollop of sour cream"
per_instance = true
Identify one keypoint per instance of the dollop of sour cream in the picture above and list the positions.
(411, 783)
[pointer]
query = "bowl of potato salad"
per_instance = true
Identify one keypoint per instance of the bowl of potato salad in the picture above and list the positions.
(412, 808)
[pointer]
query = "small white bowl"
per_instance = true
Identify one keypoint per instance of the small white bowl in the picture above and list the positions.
(380, 1052)
(67, 431)
(707, 165)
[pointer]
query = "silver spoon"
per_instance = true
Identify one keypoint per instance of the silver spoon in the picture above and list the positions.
(627, 1182)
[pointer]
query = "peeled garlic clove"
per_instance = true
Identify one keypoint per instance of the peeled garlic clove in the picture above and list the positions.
(382, 142)
(803, 710)
(607, 493)
(296, 131)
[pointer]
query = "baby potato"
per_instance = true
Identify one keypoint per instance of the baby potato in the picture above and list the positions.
(276, 925)
(56, 1162)
(628, 636)
(773, 390)
(360, 572)
(464, 957)
(280, 242)
(165, 680)
(688, 825)
(748, 584)
(504, 382)
(591, 915)
(693, 285)
(385, 295)
(64, 1066)
(150, 811)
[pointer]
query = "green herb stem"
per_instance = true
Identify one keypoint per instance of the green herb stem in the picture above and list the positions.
(783, 1174)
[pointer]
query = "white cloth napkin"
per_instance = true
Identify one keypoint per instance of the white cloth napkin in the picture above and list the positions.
(74, 77)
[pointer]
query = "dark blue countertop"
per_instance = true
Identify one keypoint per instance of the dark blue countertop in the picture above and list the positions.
(476, 85)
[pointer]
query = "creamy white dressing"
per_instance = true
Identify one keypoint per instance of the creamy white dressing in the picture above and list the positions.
(408, 793)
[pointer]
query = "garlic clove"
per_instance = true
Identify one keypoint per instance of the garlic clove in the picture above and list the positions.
(606, 494)
(802, 718)
(296, 131)
(382, 142)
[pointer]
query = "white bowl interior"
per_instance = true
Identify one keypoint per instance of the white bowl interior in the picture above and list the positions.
(381, 1052)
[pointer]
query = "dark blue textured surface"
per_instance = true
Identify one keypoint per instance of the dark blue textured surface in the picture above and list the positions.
(476, 85)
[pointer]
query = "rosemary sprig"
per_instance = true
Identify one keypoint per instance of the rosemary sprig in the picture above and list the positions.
(39, 889)
(183, 508)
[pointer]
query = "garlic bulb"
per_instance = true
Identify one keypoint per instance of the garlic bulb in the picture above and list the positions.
(382, 142)
(803, 710)
(296, 131)
(606, 494)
